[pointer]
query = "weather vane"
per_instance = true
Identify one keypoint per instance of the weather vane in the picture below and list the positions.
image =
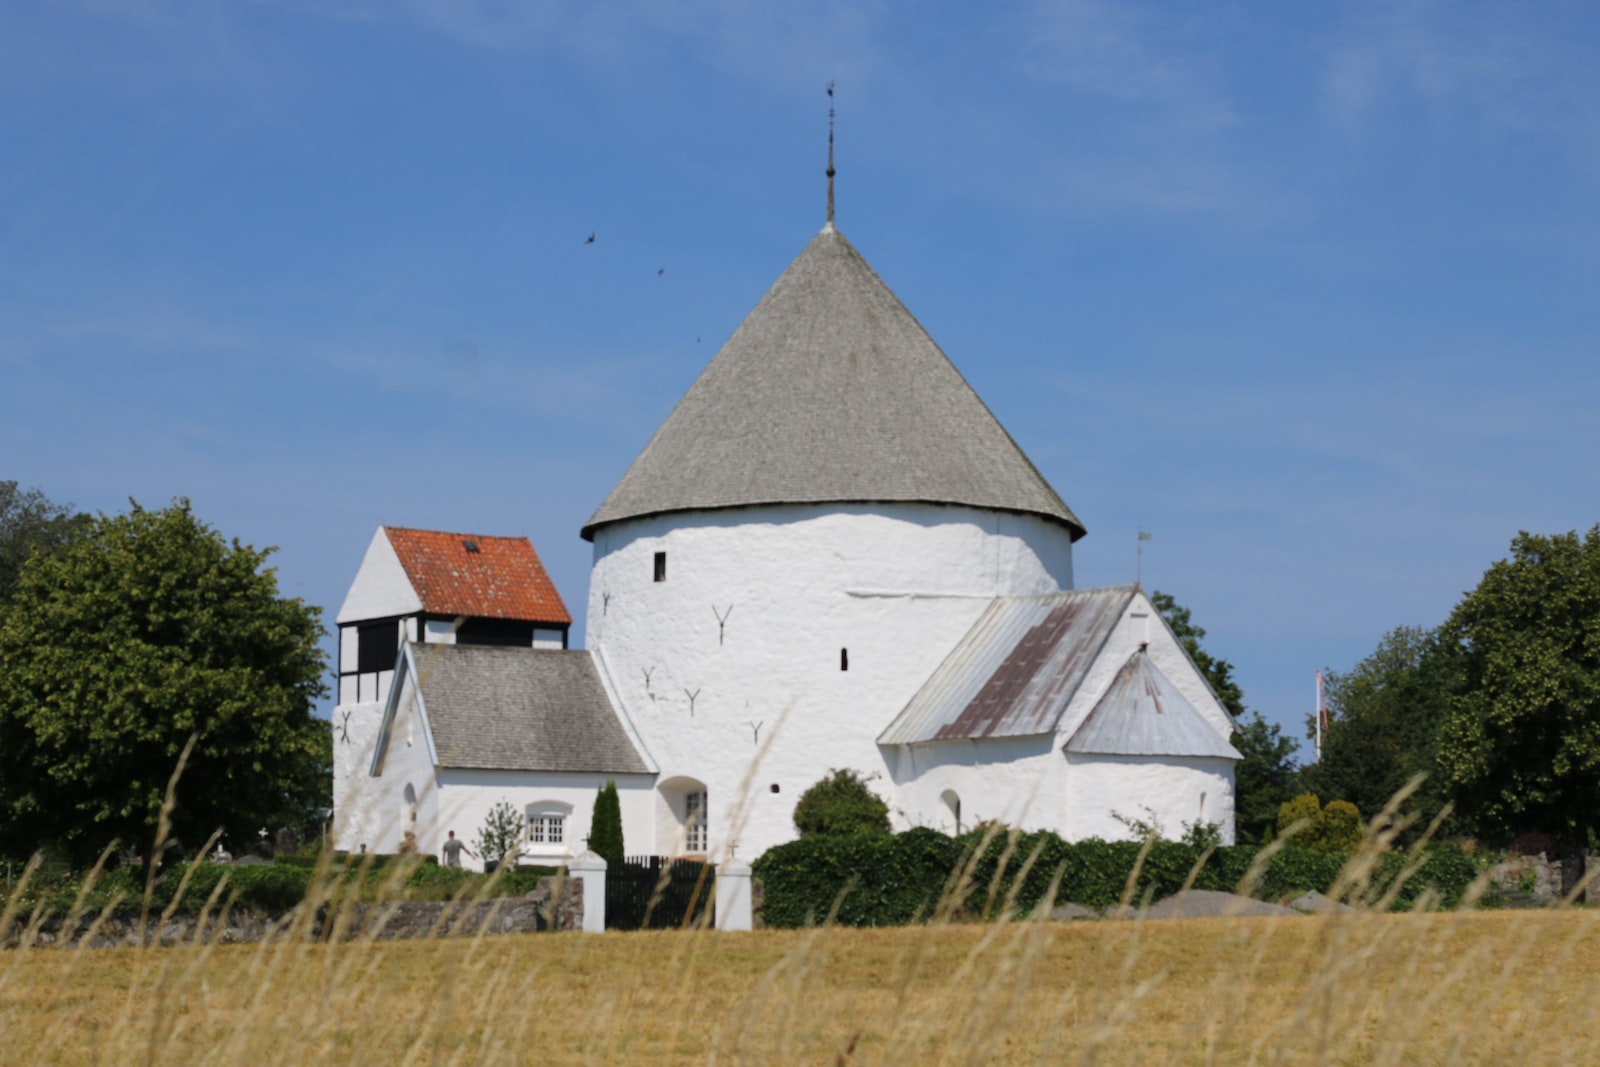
(830, 153)
(1138, 574)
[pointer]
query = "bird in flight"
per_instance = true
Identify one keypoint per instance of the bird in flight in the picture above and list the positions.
(590, 239)
(660, 272)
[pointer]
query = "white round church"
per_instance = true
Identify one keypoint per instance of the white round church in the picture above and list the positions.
(830, 555)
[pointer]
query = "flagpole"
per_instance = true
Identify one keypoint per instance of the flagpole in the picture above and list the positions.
(1319, 712)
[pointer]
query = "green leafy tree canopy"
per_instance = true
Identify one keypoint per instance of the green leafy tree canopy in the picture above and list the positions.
(1267, 776)
(148, 629)
(1520, 743)
(1384, 714)
(841, 803)
(30, 523)
(605, 827)
(1218, 672)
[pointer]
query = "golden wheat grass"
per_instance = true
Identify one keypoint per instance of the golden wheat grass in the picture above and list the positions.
(1485, 987)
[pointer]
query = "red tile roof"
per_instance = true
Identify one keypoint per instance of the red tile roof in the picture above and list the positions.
(503, 579)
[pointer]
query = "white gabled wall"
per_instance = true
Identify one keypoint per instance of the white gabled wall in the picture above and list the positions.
(747, 629)
(371, 809)
(381, 588)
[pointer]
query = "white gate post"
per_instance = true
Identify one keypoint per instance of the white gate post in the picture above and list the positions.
(733, 895)
(592, 869)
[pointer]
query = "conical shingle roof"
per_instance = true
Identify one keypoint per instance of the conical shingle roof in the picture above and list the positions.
(830, 392)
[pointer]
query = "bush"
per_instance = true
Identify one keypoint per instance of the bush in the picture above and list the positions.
(501, 835)
(884, 880)
(1339, 829)
(1335, 828)
(841, 803)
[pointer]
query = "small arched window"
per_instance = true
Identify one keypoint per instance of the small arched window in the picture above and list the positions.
(950, 812)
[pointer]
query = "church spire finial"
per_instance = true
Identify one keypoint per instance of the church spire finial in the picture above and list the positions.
(830, 155)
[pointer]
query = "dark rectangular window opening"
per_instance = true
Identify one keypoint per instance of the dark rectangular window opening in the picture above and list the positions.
(470, 546)
(376, 645)
(661, 566)
(844, 659)
(506, 632)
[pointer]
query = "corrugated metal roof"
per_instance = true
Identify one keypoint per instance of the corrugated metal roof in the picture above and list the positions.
(1143, 714)
(1015, 671)
(830, 392)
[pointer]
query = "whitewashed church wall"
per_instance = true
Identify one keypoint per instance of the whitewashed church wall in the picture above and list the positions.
(349, 640)
(747, 633)
(1017, 780)
(1167, 790)
(381, 588)
(355, 732)
(378, 808)
(465, 797)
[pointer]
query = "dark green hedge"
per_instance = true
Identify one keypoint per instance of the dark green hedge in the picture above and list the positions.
(271, 888)
(893, 880)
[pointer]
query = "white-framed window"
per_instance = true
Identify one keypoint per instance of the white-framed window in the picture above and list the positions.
(694, 822)
(547, 825)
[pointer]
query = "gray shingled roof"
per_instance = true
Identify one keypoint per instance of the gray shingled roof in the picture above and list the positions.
(830, 392)
(519, 709)
(1143, 714)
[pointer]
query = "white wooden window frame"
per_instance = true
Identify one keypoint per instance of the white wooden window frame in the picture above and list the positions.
(696, 835)
(547, 822)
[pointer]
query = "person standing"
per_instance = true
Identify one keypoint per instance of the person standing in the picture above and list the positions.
(453, 850)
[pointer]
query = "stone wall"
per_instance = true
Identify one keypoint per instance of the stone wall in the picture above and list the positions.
(556, 904)
(1546, 880)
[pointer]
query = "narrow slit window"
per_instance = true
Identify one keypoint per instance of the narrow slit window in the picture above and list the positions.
(844, 659)
(661, 566)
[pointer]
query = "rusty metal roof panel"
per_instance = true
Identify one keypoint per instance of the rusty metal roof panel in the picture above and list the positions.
(1143, 714)
(1015, 671)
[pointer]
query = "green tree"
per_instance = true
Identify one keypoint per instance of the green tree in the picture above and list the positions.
(1384, 715)
(29, 523)
(501, 835)
(605, 826)
(1265, 778)
(1520, 744)
(1267, 775)
(841, 803)
(1218, 672)
(115, 650)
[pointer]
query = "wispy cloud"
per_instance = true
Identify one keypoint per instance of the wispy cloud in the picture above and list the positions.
(1129, 54)
(1511, 65)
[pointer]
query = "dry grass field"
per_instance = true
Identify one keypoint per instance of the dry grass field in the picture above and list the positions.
(1451, 988)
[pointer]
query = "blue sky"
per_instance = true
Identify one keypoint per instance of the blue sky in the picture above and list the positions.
(1309, 292)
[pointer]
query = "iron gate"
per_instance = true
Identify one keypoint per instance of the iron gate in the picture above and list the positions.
(657, 893)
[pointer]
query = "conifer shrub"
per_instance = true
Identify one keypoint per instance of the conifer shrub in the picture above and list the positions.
(605, 827)
(841, 803)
